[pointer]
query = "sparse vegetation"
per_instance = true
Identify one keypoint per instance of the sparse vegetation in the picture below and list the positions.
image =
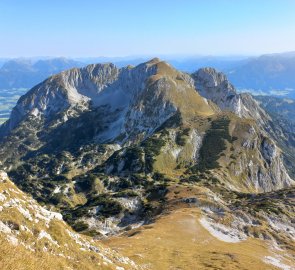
(80, 226)
(152, 148)
(214, 143)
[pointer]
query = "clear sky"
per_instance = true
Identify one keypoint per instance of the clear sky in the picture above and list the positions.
(79, 28)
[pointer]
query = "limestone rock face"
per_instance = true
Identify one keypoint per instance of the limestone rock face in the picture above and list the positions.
(215, 86)
(261, 164)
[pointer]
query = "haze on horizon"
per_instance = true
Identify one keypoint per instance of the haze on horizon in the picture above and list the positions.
(118, 28)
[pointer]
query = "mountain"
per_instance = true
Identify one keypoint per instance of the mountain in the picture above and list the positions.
(25, 73)
(123, 151)
(283, 107)
(282, 111)
(269, 74)
(2, 61)
(31, 236)
(216, 87)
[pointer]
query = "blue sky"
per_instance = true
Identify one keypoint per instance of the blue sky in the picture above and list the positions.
(80, 28)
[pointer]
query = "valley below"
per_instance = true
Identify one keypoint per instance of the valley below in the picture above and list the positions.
(8, 99)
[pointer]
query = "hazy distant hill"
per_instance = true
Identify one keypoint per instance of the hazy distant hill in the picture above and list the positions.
(24, 73)
(2, 61)
(190, 64)
(272, 74)
(284, 107)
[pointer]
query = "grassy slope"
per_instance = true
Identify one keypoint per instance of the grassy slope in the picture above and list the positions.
(177, 240)
(66, 250)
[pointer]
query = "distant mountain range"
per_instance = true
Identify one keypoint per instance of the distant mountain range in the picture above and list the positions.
(282, 107)
(268, 74)
(271, 74)
(24, 73)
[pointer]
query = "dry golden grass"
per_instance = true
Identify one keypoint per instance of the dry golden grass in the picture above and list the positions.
(19, 258)
(30, 251)
(179, 241)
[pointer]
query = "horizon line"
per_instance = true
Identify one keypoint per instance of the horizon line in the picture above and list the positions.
(149, 55)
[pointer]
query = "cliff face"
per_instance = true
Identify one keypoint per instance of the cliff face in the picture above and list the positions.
(259, 162)
(215, 86)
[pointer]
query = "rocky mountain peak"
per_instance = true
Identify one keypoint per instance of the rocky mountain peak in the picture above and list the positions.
(215, 86)
(153, 61)
(210, 77)
(125, 90)
(103, 104)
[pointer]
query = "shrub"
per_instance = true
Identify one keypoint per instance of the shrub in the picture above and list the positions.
(107, 206)
(152, 148)
(213, 145)
(126, 193)
(158, 176)
(180, 136)
(180, 140)
(80, 226)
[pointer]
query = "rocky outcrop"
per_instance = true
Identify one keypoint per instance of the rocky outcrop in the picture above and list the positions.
(278, 175)
(260, 165)
(215, 86)
(125, 104)
(31, 231)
